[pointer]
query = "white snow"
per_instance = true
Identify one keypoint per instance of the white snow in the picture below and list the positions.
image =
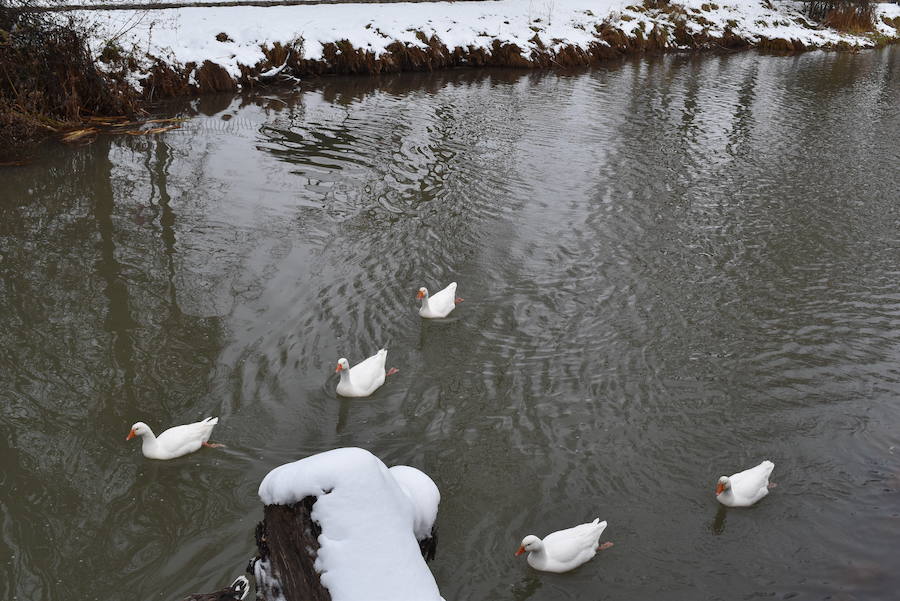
(368, 549)
(185, 35)
(755, 20)
(890, 11)
(424, 495)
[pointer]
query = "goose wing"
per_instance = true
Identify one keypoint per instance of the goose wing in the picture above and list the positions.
(369, 370)
(187, 437)
(445, 299)
(749, 482)
(567, 545)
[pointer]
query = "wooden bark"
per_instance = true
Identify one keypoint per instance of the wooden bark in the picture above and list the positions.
(429, 545)
(287, 540)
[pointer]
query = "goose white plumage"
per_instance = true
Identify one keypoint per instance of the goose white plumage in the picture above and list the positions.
(176, 441)
(745, 488)
(564, 550)
(364, 378)
(438, 305)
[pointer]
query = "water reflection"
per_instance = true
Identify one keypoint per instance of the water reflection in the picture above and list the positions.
(670, 266)
(119, 320)
(718, 524)
(527, 588)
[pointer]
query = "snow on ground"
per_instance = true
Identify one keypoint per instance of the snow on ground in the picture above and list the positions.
(187, 35)
(150, 2)
(368, 549)
(887, 11)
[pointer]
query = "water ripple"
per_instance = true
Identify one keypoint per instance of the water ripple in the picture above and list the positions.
(672, 269)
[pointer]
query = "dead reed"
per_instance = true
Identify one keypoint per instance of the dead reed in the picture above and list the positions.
(852, 16)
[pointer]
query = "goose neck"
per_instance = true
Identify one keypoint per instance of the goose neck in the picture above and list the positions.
(148, 441)
(727, 494)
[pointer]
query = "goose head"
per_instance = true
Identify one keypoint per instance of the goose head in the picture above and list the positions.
(343, 366)
(530, 543)
(139, 429)
(422, 293)
(722, 485)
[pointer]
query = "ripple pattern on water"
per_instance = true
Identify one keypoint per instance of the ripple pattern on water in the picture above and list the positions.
(673, 268)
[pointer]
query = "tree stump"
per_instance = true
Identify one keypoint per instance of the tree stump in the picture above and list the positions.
(284, 568)
(287, 542)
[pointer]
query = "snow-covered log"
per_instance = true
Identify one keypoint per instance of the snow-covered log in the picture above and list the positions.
(341, 526)
(287, 544)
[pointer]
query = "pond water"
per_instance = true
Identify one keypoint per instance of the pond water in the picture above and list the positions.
(673, 268)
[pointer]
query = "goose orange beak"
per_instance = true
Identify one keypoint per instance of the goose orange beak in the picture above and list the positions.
(420, 294)
(131, 435)
(338, 368)
(520, 551)
(720, 488)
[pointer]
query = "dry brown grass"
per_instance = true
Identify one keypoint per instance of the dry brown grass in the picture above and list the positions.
(163, 81)
(214, 78)
(895, 22)
(277, 53)
(612, 35)
(852, 16)
(850, 19)
(780, 45)
(733, 41)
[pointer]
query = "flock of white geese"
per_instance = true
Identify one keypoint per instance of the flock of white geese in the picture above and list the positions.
(559, 551)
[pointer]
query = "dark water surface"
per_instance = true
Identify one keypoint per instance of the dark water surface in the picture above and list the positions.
(673, 268)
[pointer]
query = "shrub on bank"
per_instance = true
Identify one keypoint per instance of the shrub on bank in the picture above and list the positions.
(48, 78)
(854, 16)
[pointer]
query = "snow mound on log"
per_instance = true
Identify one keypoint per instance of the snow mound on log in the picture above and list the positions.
(369, 519)
(424, 495)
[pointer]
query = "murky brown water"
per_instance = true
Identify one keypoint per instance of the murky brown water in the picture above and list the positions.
(673, 268)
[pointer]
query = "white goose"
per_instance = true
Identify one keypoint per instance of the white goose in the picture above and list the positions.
(745, 488)
(440, 304)
(176, 441)
(566, 549)
(365, 377)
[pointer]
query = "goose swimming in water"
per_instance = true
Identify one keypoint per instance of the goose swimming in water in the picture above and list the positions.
(745, 488)
(564, 550)
(176, 441)
(365, 377)
(440, 304)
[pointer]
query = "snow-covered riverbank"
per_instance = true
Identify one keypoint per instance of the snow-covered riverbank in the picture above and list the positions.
(218, 48)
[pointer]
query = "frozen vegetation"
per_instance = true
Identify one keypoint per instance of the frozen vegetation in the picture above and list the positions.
(248, 45)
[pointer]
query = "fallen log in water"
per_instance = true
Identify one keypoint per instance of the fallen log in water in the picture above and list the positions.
(361, 503)
(286, 542)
